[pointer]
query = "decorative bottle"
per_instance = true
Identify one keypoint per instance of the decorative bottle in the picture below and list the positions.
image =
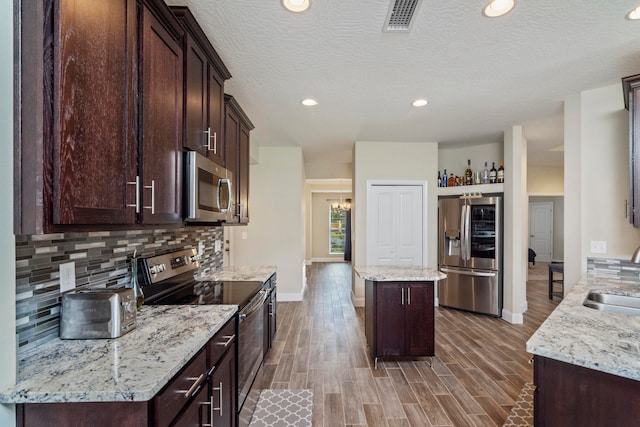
(501, 172)
(439, 180)
(468, 174)
(485, 174)
(444, 179)
(493, 173)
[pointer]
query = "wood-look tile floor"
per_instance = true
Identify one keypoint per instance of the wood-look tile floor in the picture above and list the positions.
(478, 372)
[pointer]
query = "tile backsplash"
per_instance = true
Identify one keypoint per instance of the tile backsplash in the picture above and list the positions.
(614, 269)
(102, 259)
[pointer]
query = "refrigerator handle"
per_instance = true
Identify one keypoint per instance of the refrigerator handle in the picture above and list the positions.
(468, 272)
(463, 237)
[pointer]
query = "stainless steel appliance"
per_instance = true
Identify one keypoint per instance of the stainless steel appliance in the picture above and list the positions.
(169, 279)
(208, 192)
(470, 253)
(97, 313)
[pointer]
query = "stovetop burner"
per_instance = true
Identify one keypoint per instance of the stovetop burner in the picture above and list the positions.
(169, 280)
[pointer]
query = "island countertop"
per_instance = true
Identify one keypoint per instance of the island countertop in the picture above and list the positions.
(599, 340)
(398, 273)
(133, 367)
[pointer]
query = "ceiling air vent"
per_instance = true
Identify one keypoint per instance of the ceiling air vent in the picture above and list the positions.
(400, 15)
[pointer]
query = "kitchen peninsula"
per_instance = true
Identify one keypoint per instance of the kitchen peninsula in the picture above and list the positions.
(399, 310)
(587, 361)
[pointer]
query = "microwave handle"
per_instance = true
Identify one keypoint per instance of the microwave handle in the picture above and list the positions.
(228, 182)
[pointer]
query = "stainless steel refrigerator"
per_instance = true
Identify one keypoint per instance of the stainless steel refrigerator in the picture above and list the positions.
(470, 245)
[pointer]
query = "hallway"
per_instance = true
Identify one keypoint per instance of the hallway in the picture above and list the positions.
(479, 369)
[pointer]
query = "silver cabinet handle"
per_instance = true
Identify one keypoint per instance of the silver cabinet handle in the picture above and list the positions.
(229, 340)
(408, 296)
(215, 141)
(198, 381)
(240, 209)
(402, 297)
(153, 196)
(219, 408)
(137, 203)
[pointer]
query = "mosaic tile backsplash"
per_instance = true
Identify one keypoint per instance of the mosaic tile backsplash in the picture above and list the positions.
(614, 269)
(102, 259)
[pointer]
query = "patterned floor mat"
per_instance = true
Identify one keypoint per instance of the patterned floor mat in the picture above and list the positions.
(521, 414)
(283, 408)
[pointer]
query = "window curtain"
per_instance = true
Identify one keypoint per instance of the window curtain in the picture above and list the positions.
(347, 236)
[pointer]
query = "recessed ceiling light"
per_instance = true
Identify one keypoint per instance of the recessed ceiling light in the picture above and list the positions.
(634, 14)
(419, 102)
(498, 8)
(296, 5)
(309, 102)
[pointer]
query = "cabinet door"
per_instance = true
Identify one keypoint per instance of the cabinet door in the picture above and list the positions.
(390, 329)
(242, 175)
(634, 152)
(231, 128)
(161, 142)
(419, 327)
(223, 391)
(196, 413)
(216, 117)
(196, 97)
(94, 112)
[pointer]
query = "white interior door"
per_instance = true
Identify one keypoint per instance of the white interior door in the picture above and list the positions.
(541, 230)
(395, 225)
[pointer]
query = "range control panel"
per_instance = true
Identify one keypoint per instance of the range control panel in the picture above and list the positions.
(163, 267)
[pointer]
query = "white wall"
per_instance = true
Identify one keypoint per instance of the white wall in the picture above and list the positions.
(276, 231)
(328, 170)
(596, 179)
(392, 161)
(545, 181)
(7, 240)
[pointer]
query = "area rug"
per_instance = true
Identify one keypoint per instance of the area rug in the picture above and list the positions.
(521, 414)
(283, 408)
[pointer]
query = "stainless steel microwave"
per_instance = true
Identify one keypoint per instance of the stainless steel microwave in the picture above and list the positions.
(208, 190)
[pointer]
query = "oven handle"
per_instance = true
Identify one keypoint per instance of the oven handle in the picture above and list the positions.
(255, 306)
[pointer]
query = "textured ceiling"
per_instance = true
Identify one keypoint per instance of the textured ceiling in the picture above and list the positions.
(480, 75)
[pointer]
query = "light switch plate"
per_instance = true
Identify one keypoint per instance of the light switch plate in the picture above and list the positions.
(67, 276)
(598, 246)
(244, 235)
(201, 248)
(218, 246)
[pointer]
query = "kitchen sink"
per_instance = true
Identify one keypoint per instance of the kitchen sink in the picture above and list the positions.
(622, 304)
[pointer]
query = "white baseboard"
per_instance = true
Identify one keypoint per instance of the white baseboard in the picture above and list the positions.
(282, 297)
(525, 307)
(357, 302)
(327, 260)
(513, 318)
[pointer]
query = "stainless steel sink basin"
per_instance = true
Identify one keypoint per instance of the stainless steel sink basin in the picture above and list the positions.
(622, 304)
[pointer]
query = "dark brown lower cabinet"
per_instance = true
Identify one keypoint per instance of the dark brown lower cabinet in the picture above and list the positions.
(203, 393)
(571, 395)
(399, 318)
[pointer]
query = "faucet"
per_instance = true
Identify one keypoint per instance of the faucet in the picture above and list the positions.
(635, 258)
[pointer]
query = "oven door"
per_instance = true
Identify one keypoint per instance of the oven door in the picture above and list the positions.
(250, 353)
(208, 190)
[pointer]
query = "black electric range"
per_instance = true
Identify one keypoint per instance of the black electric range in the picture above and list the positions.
(174, 279)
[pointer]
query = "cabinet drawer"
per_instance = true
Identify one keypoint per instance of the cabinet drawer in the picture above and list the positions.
(221, 341)
(177, 394)
(197, 413)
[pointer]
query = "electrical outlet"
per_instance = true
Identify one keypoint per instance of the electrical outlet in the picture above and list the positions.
(67, 276)
(598, 246)
(244, 235)
(201, 248)
(218, 246)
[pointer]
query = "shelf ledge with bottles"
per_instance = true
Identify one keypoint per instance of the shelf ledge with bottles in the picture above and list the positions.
(459, 190)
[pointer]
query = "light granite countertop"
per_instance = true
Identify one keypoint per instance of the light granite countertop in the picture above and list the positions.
(259, 273)
(604, 341)
(393, 273)
(133, 367)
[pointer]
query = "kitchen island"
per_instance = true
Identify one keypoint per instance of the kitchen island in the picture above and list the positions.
(587, 361)
(399, 310)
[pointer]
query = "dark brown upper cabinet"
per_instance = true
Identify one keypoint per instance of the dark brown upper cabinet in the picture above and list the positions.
(631, 92)
(96, 124)
(161, 68)
(92, 123)
(205, 74)
(237, 140)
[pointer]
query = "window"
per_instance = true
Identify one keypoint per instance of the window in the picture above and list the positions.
(337, 223)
